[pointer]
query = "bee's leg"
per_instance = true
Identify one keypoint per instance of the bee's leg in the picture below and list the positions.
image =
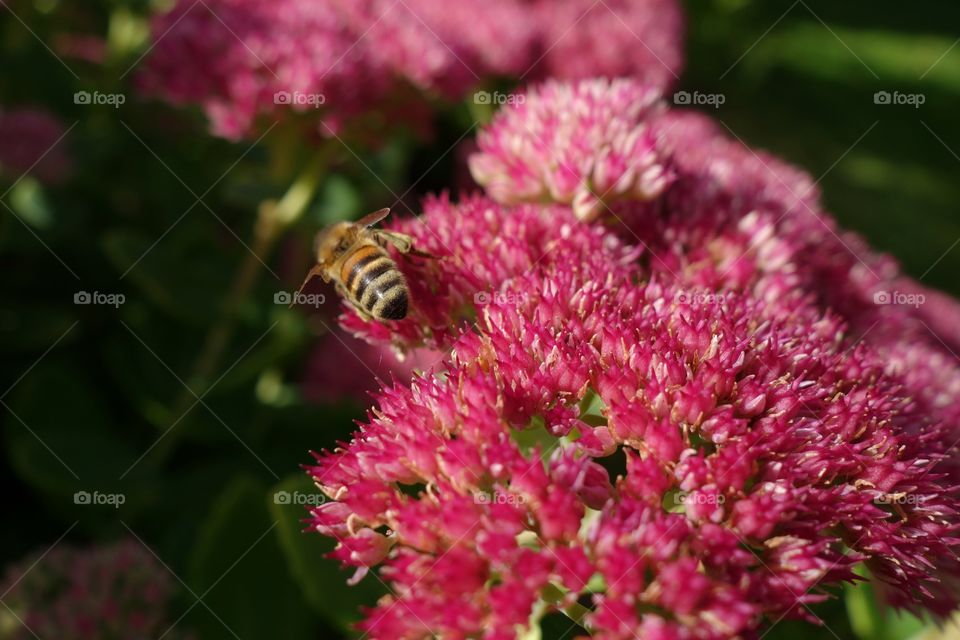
(314, 272)
(402, 242)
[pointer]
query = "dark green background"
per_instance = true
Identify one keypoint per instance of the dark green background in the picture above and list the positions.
(798, 79)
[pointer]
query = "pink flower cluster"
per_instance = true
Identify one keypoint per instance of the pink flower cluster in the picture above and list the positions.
(372, 61)
(737, 219)
(668, 458)
(116, 591)
(725, 218)
(241, 59)
(641, 39)
(31, 141)
(583, 144)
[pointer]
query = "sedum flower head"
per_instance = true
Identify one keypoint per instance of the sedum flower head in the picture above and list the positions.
(655, 459)
(583, 144)
(742, 220)
(728, 219)
(115, 591)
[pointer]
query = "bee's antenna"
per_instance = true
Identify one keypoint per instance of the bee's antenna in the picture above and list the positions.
(315, 271)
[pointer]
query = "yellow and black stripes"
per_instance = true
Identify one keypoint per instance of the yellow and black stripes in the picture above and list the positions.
(373, 282)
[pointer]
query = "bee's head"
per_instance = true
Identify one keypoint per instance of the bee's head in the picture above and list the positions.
(332, 242)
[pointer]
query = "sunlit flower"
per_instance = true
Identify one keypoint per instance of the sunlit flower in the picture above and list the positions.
(728, 219)
(583, 144)
(686, 465)
(736, 219)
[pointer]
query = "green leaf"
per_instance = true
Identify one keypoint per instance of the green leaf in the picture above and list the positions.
(557, 626)
(533, 436)
(321, 579)
(36, 327)
(339, 200)
(871, 621)
(178, 272)
(237, 563)
(60, 437)
(31, 204)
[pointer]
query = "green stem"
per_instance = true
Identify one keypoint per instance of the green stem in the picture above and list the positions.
(273, 218)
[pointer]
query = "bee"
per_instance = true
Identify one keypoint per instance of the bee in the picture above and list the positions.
(354, 257)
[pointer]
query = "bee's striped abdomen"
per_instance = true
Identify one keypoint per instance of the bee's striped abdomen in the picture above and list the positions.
(374, 283)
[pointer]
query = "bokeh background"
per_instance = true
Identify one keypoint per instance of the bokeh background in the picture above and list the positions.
(196, 399)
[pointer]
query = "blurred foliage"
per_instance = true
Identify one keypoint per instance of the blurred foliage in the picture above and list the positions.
(124, 400)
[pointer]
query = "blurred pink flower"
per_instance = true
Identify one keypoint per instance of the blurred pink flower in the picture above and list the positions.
(442, 46)
(32, 141)
(642, 39)
(376, 63)
(341, 367)
(584, 144)
(80, 46)
(765, 453)
(114, 591)
(242, 59)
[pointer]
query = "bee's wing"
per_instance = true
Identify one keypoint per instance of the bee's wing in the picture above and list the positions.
(373, 218)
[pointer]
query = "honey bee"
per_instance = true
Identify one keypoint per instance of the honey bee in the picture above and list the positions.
(354, 257)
